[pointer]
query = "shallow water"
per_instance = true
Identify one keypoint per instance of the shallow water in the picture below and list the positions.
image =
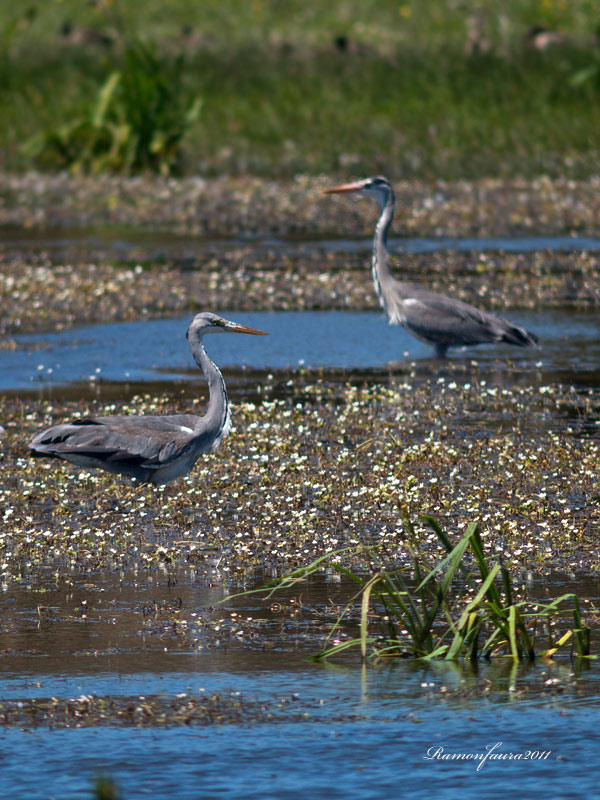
(365, 759)
(128, 245)
(335, 731)
(382, 756)
(156, 350)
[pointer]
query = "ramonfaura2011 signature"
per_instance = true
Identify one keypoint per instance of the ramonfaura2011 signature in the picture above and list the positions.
(441, 753)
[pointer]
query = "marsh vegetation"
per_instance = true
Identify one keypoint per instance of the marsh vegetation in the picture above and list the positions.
(412, 89)
(216, 125)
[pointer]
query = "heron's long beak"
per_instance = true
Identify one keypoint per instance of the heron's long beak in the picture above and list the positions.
(346, 187)
(234, 327)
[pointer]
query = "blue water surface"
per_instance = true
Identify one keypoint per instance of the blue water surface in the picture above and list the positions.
(382, 743)
(338, 730)
(154, 350)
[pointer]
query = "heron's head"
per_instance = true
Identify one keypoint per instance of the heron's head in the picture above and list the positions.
(207, 322)
(378, 188)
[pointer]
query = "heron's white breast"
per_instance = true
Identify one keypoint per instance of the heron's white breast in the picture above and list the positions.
(225, 430)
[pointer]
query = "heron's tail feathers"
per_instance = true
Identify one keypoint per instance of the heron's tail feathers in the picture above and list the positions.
(518, 336)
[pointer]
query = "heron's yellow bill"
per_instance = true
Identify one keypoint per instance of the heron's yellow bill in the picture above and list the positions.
(236, 328)
(346, 187)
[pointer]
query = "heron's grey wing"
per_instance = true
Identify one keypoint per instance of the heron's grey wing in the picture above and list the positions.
(442, 319)
(167, 422)
(200, 429)
(148, 442)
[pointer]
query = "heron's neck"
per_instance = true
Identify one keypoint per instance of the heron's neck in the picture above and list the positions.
(217, 412)
(381, 260)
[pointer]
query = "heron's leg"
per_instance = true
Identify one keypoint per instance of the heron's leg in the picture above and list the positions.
(441, 350)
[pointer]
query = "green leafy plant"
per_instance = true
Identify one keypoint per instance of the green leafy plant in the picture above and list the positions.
(591, 72)
(137, 122)
(462, 607)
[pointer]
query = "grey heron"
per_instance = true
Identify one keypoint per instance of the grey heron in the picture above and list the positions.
(153, 449)
(434, 318)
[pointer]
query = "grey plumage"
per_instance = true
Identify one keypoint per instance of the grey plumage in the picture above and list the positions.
(153, 449)
(434, 318)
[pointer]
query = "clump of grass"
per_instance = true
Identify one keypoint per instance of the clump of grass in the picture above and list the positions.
(136, 122)
(462, 607)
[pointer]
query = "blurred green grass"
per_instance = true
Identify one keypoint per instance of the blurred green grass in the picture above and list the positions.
(426, 89)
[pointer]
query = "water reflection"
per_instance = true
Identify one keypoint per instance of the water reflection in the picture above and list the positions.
(127, 623)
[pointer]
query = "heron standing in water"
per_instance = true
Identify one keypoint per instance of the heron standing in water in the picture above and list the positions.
(153, 449)
(434, 318)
